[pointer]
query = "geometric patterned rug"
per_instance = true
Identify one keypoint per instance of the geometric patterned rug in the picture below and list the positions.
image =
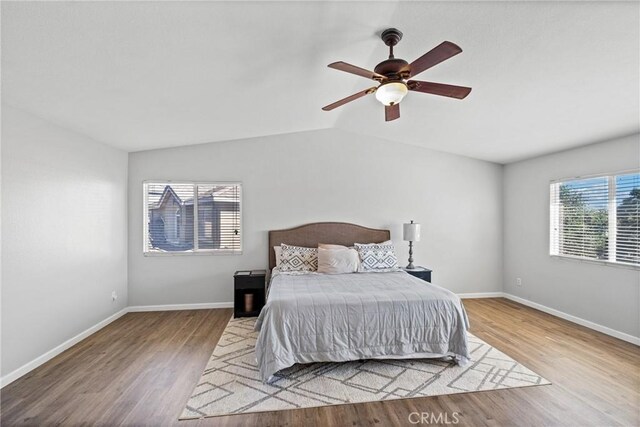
(230, 383)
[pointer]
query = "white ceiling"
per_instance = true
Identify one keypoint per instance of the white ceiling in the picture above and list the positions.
(144, 75)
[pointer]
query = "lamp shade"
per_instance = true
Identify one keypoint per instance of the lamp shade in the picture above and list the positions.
(411, 232)
(391, 93)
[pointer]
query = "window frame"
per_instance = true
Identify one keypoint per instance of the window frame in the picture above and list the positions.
(194, 252)
(612, 224)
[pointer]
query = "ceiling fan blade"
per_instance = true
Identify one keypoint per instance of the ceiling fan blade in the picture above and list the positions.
(391, 112)
(349, 99)
(343, 66)
(451, 91)
(443, 51)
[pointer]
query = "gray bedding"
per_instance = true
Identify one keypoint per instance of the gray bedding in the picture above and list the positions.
(321, 318)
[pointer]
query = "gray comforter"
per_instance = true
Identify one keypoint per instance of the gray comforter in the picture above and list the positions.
(320, 318)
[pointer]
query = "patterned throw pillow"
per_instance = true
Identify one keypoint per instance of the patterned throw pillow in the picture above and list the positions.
(298, 258)
(375, 257)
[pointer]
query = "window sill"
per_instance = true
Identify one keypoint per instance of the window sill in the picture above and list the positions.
(192, 253)
(596, 261)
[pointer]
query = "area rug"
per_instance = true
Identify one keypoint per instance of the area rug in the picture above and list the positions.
(230, 383)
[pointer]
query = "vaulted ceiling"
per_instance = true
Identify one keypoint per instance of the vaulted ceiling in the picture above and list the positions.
(145, 75)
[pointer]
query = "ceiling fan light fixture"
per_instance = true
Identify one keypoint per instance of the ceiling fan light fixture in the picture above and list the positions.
(391, 93)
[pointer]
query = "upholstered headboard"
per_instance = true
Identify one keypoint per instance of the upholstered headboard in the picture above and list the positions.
(337, 233)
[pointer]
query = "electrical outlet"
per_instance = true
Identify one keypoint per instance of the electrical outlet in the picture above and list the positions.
(114, 296)
(518, 281)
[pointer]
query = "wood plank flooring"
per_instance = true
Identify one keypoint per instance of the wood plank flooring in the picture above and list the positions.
(141, 369)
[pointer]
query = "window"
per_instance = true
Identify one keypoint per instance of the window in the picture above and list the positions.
(597, 218)
(178, 222)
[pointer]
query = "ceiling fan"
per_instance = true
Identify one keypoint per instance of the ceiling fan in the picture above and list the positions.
(393, 74)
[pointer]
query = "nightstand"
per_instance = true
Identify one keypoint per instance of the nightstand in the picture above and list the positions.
(249, 292)
(420, 273)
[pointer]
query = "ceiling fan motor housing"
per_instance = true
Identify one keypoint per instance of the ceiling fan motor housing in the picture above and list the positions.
(391, 68)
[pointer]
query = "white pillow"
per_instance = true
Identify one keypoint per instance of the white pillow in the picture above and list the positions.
(330, 246)
(278, 251)
(337, 261)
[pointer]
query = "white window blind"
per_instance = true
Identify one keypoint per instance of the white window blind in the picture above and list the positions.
(596, 218)
(628, 218)
(192, 218)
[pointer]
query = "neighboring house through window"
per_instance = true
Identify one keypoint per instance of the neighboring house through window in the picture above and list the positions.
(172, 227)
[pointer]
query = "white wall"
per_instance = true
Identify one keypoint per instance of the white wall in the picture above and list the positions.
(64, 234)
(64, 209)
(327, 175)
(606, 295)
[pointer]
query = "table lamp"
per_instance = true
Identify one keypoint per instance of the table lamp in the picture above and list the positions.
(411, 233)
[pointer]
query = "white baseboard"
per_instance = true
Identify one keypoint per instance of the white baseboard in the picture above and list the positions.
(30, 366)
(571, 318)
(172, 307)
(482, 295)
(24, 369)
(591, 325)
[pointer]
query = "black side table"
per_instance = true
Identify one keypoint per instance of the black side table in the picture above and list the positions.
(420, 273)
(249, 292)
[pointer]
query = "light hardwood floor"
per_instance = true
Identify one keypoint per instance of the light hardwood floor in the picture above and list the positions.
(141, 369)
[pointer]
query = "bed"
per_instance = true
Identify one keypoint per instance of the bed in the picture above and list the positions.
(333, 318)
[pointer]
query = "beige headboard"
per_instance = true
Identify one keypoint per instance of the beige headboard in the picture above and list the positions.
(337, 233)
